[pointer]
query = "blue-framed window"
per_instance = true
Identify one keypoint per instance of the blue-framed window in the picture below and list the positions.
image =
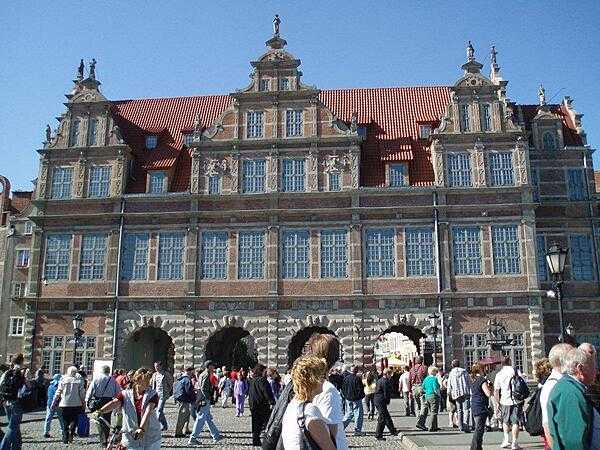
(62, 178)
(335, 181)
(465, 117)
(171, 250)
(294, 123)
(293, 175)
(92, 132)
(549, 140)
(542, 266)
(93, 257)
(74, 133)
(58, 257)
(381, 258)
(334, 254)
(535, 183)
(134, 264)
(505, 247)
(251, 255)
(253, 176)
(214, 184)
(501, 169)
(157, 183)
(466, 249)
(582, 262)
(295, 254)
(459, 169)
(486, 117)
(214, 255)
(398, 175)
(420, 255)
(576, 184)
(151, 141)
(99, 181)
(254, 124)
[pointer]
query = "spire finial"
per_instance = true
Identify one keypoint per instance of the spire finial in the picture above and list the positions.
(493, 54)
(542, 95)
(276, 24)
(470, 52)
(80, 70)
(495, 68)
(93, 69)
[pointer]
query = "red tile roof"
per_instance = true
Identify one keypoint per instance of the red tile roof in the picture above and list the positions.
(391, 117)
(570, 135)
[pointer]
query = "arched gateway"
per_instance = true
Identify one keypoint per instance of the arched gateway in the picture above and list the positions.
(299, 340)
(147, 345)
(231, 347)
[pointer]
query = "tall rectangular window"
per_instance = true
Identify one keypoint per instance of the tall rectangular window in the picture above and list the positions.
(214, 255)
(486, 117)
(505, 246)
(254, 124)
(151, 141)
(542, 266)
(23, 258)
(74, 133)
(99, 181)
(398, 175)
(334, 254)
(466, 243)
(157, 184)
(582, 262)
(535, 183)
(264, 85)
(293, 123)
(188, 139)
(171, 247)
(28, 227)
(214, 184)
(62, 178)
(334, 181)
(92, 131)
(293, 175)
(134, 264)
(576, 184)
(58, 257)
(253, 176)
(284, 84)
(17, 326)
(251, 255)
(465, 117)
(501, 169)
(93, 255)
(420, 256)
(295, 254)
(459, 169)
(381, 259)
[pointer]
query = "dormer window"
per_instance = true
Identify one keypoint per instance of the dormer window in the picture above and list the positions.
(398, 175)
(92, 131)
(74, 133)
(464, 117)
(284, 84)
(264, 85)
(157, 182)
(151, 141)
(28, 228)
(188, 139)
(424, 131)
(549, 140)
(486, 117)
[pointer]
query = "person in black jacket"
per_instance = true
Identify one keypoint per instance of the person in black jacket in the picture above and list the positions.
(383, 395)
(186, 396)
(353, 391)
(260, 400)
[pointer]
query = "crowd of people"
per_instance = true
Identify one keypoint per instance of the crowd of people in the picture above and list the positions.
(315, 403)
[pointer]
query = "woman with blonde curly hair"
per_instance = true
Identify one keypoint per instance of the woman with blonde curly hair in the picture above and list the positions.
(141, 428)
(303, 425)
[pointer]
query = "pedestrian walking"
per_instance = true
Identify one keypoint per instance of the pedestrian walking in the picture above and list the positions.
(353, 391)
(204, 398)
(141, 428)
(70, 398)
(225, 389)
(431, 401)
(416, 376)
(51, 412)
(162, 384)
(570, 412)
(10, 383)
(274, 382)
(302, 421)
(240, 391)
(185, 395)
(383, 396)
(511, 406)
(370, 382)
(260, 400)
(459, 389)
(101, 391)
(481, 391)
(405, 392)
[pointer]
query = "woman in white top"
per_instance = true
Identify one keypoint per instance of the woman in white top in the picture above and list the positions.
(308, 375)
(70, 398)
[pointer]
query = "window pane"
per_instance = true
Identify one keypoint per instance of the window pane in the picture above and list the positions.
(295, 254)
(214, 184)
(253, 176)
(381, 259)
(459, 169)
(501, 169)
(464, 118)
(251, 255)
(466, 243)
(398, 175)
(214, 255)
(58, 257)
(92, 131)
(157, 182)
(542, 266)
(151, 142)
(486, 117)
(334, 258)
(577, 188)
(135, 256)
(254, 124)
(549, 140)
(293, 175)
(99, 181)
(535, 184)
(61, 183)
(293, 123)
(505, 244)
(93, 254)
(420, 257)
(264, 85)
(334, 181)
(170, 256)
(582, 264)
(74, 133)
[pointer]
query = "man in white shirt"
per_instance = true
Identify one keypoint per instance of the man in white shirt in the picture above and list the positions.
(511, 411)
(556, 357)
(459, 390)
(404, 388)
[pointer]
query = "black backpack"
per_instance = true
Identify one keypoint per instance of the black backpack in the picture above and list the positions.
(519, 391)
(272, 433)
(533, 425)
(12, 381)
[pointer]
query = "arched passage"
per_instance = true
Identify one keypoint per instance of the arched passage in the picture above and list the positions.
(231, 347)
(146, 346)
(299, 340)
(400, 342)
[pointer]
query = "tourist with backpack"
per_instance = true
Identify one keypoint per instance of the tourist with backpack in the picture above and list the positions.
(10, 384)
(101, 391)
(511, 391)
(185, 396)
(70, 399)
(481, 391)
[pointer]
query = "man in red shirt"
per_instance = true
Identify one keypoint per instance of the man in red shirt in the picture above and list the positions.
(416, 376)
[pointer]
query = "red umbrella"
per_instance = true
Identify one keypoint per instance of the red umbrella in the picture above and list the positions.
(490, 361)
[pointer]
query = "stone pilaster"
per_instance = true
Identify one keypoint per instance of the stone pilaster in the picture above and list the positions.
(536, 327)
(80, 177)
(478, 163)
(272, 249)
(355, 166)
(117, 182)
(355, 260)
(195, 173)
(42, 182)
(29, 331)
(35, 262)
(272, 171)
(312, 173)
(235, 172)
(191, 259)
(529, 245)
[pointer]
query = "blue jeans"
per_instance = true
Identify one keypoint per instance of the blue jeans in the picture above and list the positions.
(204, 416)
(354, 412)
(48, 422)
(463, 410)
(14, 415)
(160, 413)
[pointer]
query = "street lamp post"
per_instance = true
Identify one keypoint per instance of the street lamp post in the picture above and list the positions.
(556, 256)
(433, 321)
(77, 334)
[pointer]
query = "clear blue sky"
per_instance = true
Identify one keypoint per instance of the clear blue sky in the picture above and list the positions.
(172, 48)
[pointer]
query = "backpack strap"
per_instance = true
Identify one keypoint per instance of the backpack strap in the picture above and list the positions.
(309, 442)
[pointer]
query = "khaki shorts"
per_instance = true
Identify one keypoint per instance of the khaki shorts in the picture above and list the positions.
(512, 414)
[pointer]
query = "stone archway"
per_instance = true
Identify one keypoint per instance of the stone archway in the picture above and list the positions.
(231, 346)
(400, 340)
(147, 345)
(298, 341)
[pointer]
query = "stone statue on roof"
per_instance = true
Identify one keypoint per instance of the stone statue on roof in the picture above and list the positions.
(197, 122)
(93, 69)
(542, 95)
(354, 122)
(80, 70)
(276, 23)
(493, 54)
(48, 133)
(470, 52)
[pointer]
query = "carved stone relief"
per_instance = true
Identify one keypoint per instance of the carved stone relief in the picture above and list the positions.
(312, 170)
(354, 167)
(117, 177)
(479, 165)
(80, 177)
(42, 182)
(273, 172)
(234, 173)
(195, 173)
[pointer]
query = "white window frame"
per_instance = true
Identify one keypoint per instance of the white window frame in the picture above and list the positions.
(74, 132)
(170, 264)
(136, 245)
(93, 268)
(165, 181)
(188, 139)
(28, 228)
(151, 141)
(501, 175)
(214, 187)
(459, 177)
(251, 257)
(99, 188)
(333, 253)
(471, 263)
(294, 127)
(379, 262)
(17, 322)
(506, 254)
(424, 131)
(20, 262)
(295, 182)
(285, 84)
(331, 187)
(253, 183)
(60, 263)
(211, 268)
(264, 85)
(296, 258)
(255, 124)
(464, 113)
(20, 289)
(486, 119)
(392, 179)
(63, 189)
(92, 138)
(423, 264)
